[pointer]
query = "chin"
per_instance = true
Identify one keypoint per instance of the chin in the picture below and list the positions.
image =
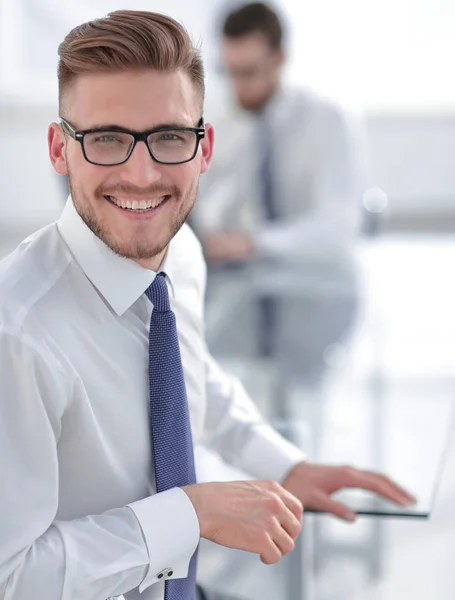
(145, 249)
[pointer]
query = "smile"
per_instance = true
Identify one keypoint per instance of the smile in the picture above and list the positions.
(138, 205)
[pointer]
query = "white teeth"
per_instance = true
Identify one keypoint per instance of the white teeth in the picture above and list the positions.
(158, 201)
(138, 204)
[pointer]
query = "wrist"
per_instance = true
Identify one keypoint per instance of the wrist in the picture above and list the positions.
(293, 474)
(197, 498)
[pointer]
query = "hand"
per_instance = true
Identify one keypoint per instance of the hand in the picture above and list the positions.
(313, 485)
(256, 516)
(228, 246)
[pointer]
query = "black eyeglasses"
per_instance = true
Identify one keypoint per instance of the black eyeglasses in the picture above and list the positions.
(113, 146)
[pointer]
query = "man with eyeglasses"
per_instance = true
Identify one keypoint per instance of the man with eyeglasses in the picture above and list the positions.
(106, 384)
(284, 188)
(169, 145)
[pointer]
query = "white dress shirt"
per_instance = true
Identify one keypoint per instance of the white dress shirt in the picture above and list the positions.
(80, 519)
(319, 171)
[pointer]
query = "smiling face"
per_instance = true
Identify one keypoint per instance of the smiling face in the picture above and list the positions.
(136, 207)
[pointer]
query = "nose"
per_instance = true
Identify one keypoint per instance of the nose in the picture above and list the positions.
(140, 169)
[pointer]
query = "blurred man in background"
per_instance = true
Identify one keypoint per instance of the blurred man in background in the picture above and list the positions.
(284, 188)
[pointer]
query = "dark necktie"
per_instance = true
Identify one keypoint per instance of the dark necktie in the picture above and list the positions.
(169, 416)
(266, 179)
(267, 305)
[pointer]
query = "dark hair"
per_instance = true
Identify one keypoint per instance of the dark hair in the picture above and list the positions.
(256, 17)
(128, 39)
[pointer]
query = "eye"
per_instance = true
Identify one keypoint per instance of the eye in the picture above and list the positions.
(170, 137)
(106, 138)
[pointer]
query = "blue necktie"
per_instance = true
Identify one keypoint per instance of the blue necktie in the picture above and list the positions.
(169, 415)
(266, 181)
(268, 305)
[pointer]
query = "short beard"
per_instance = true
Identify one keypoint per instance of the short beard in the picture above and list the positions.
(136, 250)
(258, 105)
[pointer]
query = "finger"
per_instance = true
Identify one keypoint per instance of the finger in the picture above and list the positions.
(279, 511)
(289, 522)
(379, 484)
(394, 491)
(270, 554)
(325, 503)
(292, 503)
(282, 540)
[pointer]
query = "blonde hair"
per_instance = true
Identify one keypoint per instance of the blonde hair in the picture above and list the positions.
(128, 40)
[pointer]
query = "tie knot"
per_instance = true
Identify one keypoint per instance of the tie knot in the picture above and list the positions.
(158, 294)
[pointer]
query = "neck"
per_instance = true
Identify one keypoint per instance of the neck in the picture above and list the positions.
(154, 263)
(261, 106)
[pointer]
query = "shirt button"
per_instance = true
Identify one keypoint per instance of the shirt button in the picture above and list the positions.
(165, 573)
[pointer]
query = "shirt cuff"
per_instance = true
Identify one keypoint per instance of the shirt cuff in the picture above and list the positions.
(265, 242)
(171, 532)
(268, 455)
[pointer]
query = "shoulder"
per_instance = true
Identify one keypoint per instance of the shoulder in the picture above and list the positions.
(325, 111)
(297, 104)
(29, 275)
(29, 278)
(311, 100)
(324, 119)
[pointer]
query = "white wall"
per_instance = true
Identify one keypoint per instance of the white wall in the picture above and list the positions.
(29, 188)
(375, 54)
(412, 151)
(31, 30)
(413, 158)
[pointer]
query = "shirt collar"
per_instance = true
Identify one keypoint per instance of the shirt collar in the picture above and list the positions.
(119, 280)
(276, 109)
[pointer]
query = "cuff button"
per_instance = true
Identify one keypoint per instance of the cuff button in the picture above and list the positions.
(165, 573)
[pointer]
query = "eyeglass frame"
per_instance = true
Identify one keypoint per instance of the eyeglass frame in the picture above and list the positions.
(138, 136)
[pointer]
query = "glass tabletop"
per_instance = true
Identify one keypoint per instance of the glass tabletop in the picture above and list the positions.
(400, 428)
(387, 401)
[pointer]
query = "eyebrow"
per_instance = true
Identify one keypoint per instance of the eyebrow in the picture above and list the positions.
(158, 126)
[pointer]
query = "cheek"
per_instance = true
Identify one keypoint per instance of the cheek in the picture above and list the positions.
(260, 85)
(184, 176)
(74, 155)
(249, 89)
(85, 176)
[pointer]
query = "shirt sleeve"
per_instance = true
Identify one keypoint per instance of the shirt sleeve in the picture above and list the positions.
(236, 430)
(339, 178)
(93, 557)
(233, 427)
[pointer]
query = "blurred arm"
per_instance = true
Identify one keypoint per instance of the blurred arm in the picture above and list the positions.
(334, 221)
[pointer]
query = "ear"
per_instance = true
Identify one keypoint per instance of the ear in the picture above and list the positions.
(207, 143)
(56, 142)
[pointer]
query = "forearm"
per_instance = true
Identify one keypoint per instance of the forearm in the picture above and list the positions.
(88, 558)
(316, 235)
(236, 430)
(267, 454)
(104, 555)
